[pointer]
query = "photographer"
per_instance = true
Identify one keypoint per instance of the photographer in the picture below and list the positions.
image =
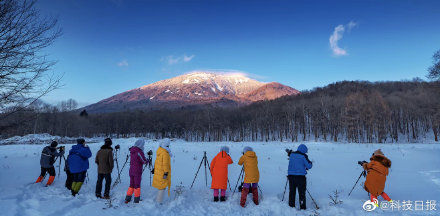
(299, 163)
(377, 171)
(104, 160)
(137, 161)
(78, 160)
(249, 161)
(48, 158)
(219, 172)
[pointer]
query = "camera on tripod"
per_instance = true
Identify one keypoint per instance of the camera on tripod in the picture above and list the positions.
(117, 146)
(61, 148)
(362, 162)
(150, 152)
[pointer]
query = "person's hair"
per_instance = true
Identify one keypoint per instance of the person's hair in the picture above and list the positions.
(80, 141)
(108, 141)
(54, 144)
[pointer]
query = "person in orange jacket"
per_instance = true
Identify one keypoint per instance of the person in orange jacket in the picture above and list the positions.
(377, 171)
(249, 161)
(219, 172)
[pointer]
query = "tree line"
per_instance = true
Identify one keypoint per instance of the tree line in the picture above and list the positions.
(352, 111)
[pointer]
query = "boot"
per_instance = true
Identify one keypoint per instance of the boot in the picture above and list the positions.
(255, 195)
(222, 198)
(130, 192)
(106, 197)
(40, 178)
(216, 199)
(127, 199)
(50, 181)
(98, 196)
(137, 195)
(244, 193)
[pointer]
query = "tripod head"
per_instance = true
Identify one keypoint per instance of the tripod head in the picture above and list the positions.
(362, 162)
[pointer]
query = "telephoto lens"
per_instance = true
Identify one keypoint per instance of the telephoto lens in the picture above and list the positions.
(150, 152)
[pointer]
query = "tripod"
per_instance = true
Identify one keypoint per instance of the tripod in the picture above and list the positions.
(116, 159)
(59, 165)
(239, 176)
(205, 162)
(149, 166)
(363, 173)
(118, 179)
(285, 188)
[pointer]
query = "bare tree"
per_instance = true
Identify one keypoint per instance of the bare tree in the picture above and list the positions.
(434, 71)
(24, 68)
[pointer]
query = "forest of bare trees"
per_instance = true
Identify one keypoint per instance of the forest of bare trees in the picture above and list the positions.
(354, 111)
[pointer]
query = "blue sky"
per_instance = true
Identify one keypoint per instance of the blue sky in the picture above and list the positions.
(112, 46)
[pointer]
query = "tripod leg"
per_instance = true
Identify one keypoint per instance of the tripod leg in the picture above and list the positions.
(206, 174)
(362, 173)
(285, 188)
(314, 202)
(196, 174)
(59, 167)
(239, 176)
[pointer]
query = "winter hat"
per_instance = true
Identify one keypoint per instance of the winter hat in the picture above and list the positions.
(140, 144)
(378, 152)
(165, 143)
(225, 149)
(108, 141)
(246, 149)
(303, 149)
(54, 144)
(80, 141)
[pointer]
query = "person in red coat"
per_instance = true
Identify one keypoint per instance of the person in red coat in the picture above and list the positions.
(219, 172)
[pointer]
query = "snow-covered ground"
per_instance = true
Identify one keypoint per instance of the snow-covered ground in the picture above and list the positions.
(414, 176)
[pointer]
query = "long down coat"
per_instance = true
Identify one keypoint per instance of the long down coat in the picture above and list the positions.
(377, 171)
(250, 163)
(162, 165)
(219, 170)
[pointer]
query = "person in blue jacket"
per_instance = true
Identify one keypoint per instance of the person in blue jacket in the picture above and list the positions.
(78, 161)
(299, 163)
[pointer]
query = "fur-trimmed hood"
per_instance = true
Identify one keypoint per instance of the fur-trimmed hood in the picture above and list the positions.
(382, 159)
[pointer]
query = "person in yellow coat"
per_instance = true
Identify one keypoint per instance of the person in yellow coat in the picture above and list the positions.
(162, 169)
(249, 161)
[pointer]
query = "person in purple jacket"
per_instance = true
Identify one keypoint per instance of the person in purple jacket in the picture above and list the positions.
(137, 160)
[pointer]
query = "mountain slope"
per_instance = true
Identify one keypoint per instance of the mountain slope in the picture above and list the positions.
(197, 88)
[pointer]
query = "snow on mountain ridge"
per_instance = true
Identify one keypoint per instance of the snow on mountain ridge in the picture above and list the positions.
(196, 88)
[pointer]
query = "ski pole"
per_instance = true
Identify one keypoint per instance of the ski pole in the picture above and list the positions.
(285, 188)
(314, 202)
(362, 173)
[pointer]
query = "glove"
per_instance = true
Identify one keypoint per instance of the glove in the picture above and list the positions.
(165, 176)
(152, 171)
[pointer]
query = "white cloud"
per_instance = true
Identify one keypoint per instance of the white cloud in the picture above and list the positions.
(177, 59)
(188, 58)
(123, 63)
(337, 36)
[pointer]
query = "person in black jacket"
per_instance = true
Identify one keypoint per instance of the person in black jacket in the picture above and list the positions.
(48, 158)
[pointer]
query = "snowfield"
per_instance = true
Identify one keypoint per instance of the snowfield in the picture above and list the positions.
(414, 176)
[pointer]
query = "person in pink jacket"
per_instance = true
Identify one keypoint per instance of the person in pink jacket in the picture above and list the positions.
(137, 161)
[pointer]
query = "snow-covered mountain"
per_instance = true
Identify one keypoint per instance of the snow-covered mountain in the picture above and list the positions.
(196, 88)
